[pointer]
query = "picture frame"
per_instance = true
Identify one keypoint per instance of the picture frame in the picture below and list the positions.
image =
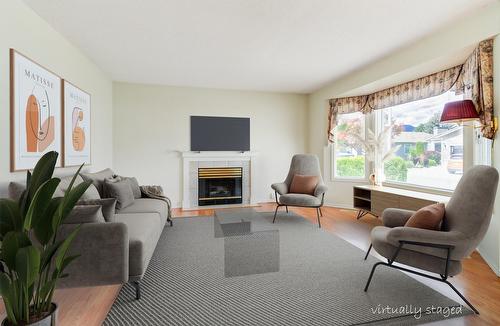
(76, 125)
(35, 112)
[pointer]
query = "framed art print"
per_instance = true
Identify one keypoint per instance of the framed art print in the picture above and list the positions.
(36, 112)
(76, 125)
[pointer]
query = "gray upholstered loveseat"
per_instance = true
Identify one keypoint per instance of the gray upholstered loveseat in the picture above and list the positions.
(116, 251)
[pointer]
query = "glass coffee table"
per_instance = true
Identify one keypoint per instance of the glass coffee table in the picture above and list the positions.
(250, 247)
(233, 221)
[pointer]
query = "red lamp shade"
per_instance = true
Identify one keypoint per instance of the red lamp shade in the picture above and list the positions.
(459, 111)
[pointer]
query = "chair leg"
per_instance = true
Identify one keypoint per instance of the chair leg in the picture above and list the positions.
(275, 212)
(371, 275)
(286, 209)
(462, 296)
(318, 213)
(368, 252)
(137, 287)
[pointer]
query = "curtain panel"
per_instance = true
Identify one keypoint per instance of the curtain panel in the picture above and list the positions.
(474, 78)
(476, 83)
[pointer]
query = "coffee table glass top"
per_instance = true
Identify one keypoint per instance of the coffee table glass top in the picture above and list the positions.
(249, 247)
(231, 222)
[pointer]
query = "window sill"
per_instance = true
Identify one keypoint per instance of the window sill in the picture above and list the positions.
(429, 190)
(349, 180)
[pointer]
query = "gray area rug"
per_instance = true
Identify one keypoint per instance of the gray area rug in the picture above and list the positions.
(289, 273)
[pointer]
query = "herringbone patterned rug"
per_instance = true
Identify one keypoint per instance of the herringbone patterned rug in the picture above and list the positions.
(290, 273)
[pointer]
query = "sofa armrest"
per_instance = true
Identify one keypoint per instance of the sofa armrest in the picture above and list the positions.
(320, 190)
(104, 254)
(394, 217)
(281, 188)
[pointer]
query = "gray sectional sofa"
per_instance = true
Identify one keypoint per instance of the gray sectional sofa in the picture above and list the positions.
(116, 249)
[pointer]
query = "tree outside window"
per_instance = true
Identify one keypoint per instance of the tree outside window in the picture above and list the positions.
(349, 157)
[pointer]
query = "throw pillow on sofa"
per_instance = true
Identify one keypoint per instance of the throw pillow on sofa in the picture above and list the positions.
(15, 189)
(97, 179)
(304, 184)
(120, 190)
(134, 184)
(108, 206)
(90, 193)
(85, 214)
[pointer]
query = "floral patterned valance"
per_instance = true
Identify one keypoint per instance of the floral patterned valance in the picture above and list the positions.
(474, 78)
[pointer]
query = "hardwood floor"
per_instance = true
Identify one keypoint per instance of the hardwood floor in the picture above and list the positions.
(89, 306)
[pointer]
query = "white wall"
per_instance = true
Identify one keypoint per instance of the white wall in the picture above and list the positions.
(151, 126)
(389, 71)
(23, 30)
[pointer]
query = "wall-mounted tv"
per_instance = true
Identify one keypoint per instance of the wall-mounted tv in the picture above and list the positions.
(220, 134)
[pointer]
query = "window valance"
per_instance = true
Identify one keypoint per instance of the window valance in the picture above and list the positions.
(474, 78)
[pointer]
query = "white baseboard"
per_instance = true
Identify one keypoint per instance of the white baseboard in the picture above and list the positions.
(341, 206)
(488, 260)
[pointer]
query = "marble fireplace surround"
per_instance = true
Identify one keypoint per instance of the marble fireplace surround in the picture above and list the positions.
(191, 161)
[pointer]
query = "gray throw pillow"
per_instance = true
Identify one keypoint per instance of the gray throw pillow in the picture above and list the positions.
(113, 179)
(90, 193)
(120, 190)
(97, 179)
(108, 206)
(15, 190)
(134, 184)
(85, 214)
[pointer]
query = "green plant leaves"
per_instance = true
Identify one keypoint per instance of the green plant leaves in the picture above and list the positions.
(70, 199)
(28, 265)
(42, 172)
(10, 217)
(48, 254)
(43, 227)
(46, 289)
(63, 249)
(6, 290)
(40, 202)
(30, 270)
(11, 244)
(66, 262)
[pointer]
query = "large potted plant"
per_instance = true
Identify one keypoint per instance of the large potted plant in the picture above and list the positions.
(32, 256)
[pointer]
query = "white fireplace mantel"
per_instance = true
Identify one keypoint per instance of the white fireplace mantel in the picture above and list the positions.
(218, 159)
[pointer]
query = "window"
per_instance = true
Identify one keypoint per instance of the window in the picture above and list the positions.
(427, 153)
(348, 155)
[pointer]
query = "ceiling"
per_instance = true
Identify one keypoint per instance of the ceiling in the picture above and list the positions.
(266, 45)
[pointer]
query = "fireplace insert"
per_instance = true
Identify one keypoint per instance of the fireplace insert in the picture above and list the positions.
(219, 186)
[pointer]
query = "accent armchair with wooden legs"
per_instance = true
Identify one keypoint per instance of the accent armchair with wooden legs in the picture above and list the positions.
(306, 165)
(467, 217)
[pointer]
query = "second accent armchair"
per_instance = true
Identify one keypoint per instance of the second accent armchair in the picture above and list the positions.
(466, 220)
(307, 165)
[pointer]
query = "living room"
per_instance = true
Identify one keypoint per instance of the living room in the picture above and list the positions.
(321, 130)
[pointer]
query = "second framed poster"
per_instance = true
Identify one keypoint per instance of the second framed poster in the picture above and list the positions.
(77, 122)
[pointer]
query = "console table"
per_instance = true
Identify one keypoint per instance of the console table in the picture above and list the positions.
(374, 199)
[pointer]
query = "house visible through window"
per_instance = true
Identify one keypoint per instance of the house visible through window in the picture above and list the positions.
(349, 158)
(429, 154)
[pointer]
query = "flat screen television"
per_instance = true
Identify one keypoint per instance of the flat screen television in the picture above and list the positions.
(220, 134)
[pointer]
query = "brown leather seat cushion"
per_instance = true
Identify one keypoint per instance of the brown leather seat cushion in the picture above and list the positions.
(303, 184)
(428, 217)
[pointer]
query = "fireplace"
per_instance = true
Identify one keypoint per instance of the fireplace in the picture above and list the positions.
(220, 186)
